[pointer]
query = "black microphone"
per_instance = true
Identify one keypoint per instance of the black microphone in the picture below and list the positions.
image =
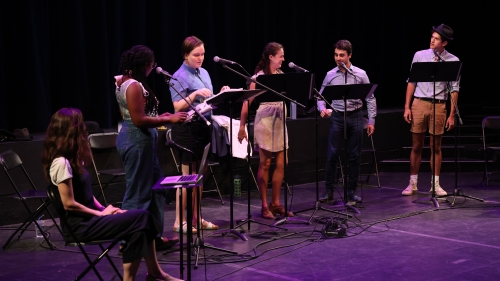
(217, 59)
(159, 70)
(296, 67)
(345, 68)
(440, 58)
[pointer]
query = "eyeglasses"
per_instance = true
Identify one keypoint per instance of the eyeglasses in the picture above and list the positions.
(154, 65)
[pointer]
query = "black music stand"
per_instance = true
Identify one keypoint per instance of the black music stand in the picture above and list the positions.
(345, 92)
(189, 213)
(292, 87)
(434, 72)
(230, 97)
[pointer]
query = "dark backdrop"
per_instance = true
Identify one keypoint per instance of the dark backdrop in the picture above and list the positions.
(57, 54)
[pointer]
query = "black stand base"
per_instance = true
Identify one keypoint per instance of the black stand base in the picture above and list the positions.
(236, 233)
(198, 244)
(250, 220)
(432, 199)
(459, 192)
(290, 219)
(317, 207)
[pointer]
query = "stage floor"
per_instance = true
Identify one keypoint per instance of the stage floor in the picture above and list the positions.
(393, 238)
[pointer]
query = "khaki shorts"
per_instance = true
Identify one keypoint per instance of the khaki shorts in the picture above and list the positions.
(422, 119)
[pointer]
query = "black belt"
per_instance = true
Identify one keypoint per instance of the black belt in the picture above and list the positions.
(351, 112)
(430, 100)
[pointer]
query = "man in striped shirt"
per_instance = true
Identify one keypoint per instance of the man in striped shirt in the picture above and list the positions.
(346, 73)
(420, 115)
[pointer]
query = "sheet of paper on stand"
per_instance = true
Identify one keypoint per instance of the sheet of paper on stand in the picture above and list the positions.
(228, 90)
(202, 108)
(239, 149)
(206, 105)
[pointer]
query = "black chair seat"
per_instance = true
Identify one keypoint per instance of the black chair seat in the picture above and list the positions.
(112, 172)
(31, 194)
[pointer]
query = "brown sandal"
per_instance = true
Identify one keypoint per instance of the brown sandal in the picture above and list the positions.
(279, 210)
(266, 213)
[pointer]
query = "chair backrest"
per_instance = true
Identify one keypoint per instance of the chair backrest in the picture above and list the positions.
(168, 134)
(104, 153)
(93, 127)
(491, 122)
(9, 160)
(168, 137)
(103, 140)
(55, 200)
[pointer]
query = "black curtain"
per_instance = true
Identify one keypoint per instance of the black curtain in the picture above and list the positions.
(57, 54)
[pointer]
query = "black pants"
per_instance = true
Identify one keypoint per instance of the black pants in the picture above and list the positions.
(194, 135)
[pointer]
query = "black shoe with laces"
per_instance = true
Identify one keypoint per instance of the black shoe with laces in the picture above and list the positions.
(351, 194)
(327, 196)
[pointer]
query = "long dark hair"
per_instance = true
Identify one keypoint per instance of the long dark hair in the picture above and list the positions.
(133, 63)
(66, 137)
(271, 49)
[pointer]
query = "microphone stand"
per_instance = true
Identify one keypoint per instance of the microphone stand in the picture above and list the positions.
(284, 132)
(458, 119)
(433, 157)
(249, 216)
(345, 202)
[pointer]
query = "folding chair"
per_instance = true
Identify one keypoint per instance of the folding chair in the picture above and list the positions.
(370, 149)
(11, 163)
(55, 198)
(212, 176)
(168, 136)
(491, 143)
(104, 145)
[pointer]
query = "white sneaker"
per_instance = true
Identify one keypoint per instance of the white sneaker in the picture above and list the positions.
(439, 190)
(412, 187)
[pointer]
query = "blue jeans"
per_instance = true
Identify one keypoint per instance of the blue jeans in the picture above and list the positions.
(354, 132)
(137, 148)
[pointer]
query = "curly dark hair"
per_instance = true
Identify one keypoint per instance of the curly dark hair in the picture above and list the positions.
(133, 63)
(66, 137)
(271, 49)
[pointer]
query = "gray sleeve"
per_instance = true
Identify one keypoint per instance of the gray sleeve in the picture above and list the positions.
(60, 170)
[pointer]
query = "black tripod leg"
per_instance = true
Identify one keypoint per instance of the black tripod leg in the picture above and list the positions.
(251, 220)
(458, 192)
(200, 244)
(317, 207)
